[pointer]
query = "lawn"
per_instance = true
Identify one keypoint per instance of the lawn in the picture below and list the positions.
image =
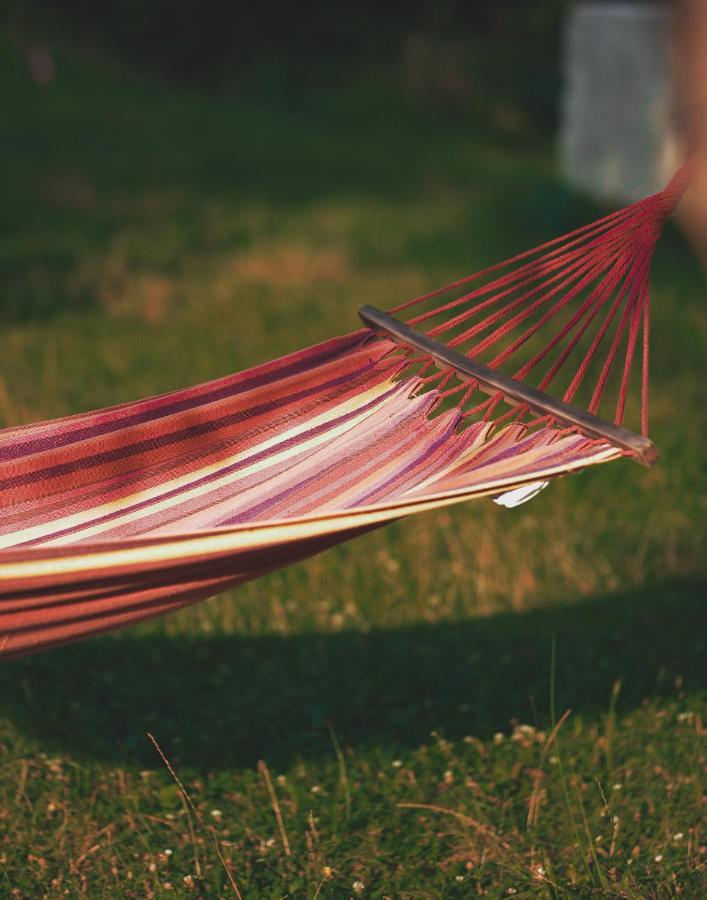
(475, 702)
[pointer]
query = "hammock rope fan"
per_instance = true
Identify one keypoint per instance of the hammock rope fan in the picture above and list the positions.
(113, 516)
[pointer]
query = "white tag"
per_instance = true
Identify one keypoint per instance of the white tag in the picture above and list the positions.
(520, 495)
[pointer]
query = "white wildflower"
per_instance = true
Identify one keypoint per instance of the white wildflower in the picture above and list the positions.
(358, 887)
(392, 565)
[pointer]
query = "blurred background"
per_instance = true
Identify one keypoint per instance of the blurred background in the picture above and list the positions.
(236, 179)
(189, 188)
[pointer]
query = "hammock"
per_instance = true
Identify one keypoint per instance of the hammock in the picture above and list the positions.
(110, 517)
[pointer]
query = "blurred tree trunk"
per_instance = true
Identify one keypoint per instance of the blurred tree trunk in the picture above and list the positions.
(691, 77)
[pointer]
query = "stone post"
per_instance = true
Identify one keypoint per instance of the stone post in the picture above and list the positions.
(618, 139)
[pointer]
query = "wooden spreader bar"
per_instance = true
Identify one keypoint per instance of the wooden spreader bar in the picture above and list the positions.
(514, 392)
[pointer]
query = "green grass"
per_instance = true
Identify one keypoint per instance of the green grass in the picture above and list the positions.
(397, 694)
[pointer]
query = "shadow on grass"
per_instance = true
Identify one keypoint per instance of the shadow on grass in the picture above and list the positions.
(222, 702)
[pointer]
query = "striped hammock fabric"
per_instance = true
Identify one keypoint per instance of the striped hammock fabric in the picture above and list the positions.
(117, 515)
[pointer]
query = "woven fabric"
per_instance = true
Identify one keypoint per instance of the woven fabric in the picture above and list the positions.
(111, 517)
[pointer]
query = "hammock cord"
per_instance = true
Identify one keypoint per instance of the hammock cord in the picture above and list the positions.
(593, 281)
